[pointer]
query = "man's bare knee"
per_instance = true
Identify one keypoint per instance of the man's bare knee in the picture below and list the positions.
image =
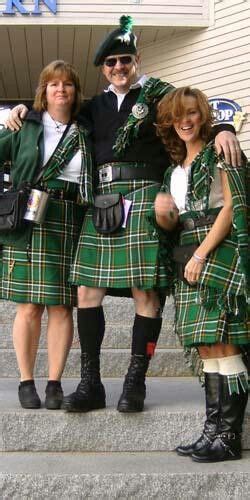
(90, 297)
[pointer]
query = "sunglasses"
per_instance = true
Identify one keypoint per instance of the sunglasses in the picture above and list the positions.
(113, 60)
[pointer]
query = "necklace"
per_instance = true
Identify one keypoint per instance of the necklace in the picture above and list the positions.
(59, 125)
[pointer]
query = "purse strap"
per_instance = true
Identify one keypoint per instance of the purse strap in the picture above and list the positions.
(41, 172)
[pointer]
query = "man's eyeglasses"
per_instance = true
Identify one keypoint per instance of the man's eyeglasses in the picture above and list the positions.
(112, 61)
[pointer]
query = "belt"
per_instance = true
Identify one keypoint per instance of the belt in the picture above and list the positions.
(108, 173)
(190, 223)
(60, 194)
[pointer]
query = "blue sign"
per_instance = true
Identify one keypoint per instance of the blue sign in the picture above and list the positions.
(227, 111)
(14, 6)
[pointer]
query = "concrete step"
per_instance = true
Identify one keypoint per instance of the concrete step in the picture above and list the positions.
(109, 476)
(119, 314)
(114, 363)
(174, 414)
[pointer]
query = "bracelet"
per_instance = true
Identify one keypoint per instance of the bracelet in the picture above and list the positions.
(198, 258)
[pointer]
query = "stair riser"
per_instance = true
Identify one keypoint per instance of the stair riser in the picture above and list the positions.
(103, 430)
(126, 486)
(113, 364)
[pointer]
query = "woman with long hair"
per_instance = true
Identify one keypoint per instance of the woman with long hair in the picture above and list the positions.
(206, 199)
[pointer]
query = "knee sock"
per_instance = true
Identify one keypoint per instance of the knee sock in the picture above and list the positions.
(145, 335)
(235, 371)
(210, 365)
(91, 327)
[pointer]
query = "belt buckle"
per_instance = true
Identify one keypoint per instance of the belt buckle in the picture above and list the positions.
(189, 224)
(105, 174)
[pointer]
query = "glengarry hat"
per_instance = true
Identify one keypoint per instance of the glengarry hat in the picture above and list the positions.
(119, 41)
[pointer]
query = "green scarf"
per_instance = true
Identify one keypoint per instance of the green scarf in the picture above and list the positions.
(151, 92)
(65, 152)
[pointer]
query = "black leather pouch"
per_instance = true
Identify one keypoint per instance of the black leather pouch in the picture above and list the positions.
(108, 215)
(13, 205)
(181, 255)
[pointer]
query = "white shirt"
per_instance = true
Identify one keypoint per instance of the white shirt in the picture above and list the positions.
(179, 185)
(121, 97)
(53, 131)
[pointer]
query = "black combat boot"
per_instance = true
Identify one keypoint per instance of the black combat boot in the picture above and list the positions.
(145, 335)
(227, 444)
(212, 392)
(90, 392)
(134, 387)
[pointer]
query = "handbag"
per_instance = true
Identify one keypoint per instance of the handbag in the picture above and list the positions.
(181, 255)
(14, 203)
(108, 214)
(13, 206)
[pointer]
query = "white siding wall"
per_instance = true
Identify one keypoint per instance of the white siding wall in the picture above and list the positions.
(215, 59)
(104, 12)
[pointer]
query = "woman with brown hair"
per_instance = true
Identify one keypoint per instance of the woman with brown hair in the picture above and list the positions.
(51, 147)
(206, 198)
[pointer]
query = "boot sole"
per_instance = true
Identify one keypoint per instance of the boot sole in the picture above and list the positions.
(53, 406)
(215, 460)
(70, 409)
(130, 410)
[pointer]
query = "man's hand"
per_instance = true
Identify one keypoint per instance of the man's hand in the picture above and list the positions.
(17, 114)
(227, 143)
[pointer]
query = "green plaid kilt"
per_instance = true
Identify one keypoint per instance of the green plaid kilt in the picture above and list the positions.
(212, 311)
(128, 258)
(197, 324)
(40, 275)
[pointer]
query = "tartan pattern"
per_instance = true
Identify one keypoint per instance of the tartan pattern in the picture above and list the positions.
(152, 91)
(65, 152)
(128, 258)
(40, 275)
(226, 267)
(198, 323)
(236, 382)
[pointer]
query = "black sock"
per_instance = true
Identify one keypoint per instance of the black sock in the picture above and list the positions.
(91, 327)
(145, 335)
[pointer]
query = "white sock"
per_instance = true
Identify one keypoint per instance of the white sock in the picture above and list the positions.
(210, 365)
(231, 365)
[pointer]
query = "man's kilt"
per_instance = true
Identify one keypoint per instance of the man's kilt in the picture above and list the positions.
(197, 323)
(40, 274)
(128, 258)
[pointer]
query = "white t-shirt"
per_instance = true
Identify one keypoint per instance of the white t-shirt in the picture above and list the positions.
(179, 184)
(53, 132)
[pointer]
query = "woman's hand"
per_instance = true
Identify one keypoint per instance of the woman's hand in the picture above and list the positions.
(166, 211)
(17, 114)
(193, 270)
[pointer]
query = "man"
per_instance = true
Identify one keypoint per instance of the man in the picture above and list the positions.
(130, 160)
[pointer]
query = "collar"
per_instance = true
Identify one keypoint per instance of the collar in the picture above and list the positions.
(140, 83)
(34, 116)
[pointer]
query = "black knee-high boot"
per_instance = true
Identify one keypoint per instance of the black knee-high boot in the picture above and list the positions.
(90, 392)
(227, 444)
(212, 395)
(145, 335)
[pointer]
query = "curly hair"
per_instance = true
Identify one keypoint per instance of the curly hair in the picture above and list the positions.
(56, 69)
(170, 109)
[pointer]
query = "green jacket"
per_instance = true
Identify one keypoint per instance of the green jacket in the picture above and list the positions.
(23, 150)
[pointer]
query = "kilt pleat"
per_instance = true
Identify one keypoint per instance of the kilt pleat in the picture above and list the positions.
(40, 274)
(127, 258)
(197, 324)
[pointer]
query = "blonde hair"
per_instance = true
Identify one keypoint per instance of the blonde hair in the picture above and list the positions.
(53, 70)
(170, 109)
